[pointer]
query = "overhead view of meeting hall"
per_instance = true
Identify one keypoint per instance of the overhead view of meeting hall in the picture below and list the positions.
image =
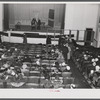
(50, 46)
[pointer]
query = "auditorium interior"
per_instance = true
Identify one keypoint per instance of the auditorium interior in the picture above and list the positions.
(49, 46)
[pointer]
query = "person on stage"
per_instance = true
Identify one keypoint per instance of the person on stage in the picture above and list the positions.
(39, 24)
(34, 24)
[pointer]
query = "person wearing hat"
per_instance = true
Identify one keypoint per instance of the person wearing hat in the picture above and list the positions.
(65, 52)
(61, 40)
(24, 38)
(47, 83)
(48, 41)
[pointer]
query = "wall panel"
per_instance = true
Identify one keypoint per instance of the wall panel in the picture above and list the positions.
(81, 16)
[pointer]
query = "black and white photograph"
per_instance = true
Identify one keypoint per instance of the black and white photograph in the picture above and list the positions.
(53, 46)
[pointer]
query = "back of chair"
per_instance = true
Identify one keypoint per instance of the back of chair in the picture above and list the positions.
(32, 73)
(33, 80)
(68, 80)
(66, 74)
(32, 35)
(16, 37)
(5, 36)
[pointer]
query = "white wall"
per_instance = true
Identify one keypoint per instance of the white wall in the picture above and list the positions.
(97, 35)
(1, 16)
(81, 16)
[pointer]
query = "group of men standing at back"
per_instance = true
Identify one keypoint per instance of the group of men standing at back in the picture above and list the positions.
(65, 48)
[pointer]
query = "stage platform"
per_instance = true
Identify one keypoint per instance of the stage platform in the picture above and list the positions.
(43, 28)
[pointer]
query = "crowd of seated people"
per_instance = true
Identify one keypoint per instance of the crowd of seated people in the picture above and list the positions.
(55, 71)
(87, 59)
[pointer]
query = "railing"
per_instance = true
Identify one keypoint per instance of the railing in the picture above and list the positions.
(78, 35)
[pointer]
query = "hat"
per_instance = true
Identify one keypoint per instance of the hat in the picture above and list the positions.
(94, 64)
(68, 67)
(93, 60)
(37, 62)
(63, 64)
(96, 59)
(92, 71)
(97, 68)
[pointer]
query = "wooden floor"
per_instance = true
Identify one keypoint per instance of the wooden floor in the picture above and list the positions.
(79, 78)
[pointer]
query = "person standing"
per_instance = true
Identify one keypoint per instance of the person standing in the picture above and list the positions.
(65, 52)
(48, 41)
(33, 24)
(69, 53)
(39, 24)
(24, 38)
